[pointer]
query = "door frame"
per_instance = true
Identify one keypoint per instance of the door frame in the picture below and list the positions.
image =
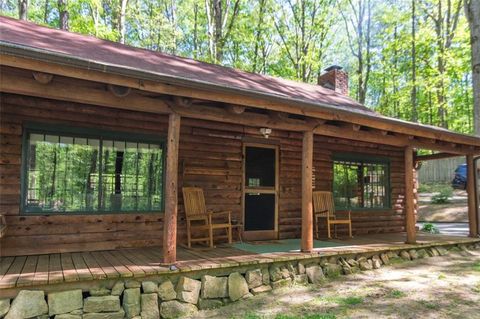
(261, 234)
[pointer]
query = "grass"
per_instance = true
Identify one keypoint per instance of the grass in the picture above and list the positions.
(312, 316)
(476, 266)
(429, 304)
(343, 301)
(433, 188)
(396, 294)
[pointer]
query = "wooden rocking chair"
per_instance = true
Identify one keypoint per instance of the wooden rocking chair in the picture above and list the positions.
(199, 219)
(324, 207)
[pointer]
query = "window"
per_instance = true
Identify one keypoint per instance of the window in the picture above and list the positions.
(361, 182)
(68, 171)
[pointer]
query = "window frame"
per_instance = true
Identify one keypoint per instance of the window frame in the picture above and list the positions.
(84, 132)
(370, 159)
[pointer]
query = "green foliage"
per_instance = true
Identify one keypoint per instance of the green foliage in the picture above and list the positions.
(443, 196)
(310, 316)
(476, 266)
(430, 228)
(298, 39)
(396, 294)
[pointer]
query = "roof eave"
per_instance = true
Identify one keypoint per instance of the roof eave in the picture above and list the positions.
(16, 50)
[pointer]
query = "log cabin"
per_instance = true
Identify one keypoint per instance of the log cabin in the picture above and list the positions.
(98, 139)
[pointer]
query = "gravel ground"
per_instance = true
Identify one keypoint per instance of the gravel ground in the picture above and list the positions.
(438, 287)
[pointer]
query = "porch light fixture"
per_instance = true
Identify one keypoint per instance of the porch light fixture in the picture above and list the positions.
(266, 131)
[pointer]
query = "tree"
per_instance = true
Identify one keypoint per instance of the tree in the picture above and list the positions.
(63, 14)
(414, 117)
(221, 16)
(472, 11)
(358, 26)
(303, 27)
(22, 9)
(445, 19)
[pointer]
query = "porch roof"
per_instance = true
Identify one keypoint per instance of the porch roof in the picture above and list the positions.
(28, 40)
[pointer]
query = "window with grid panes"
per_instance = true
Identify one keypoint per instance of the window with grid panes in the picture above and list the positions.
(74, 172)
(361, 182)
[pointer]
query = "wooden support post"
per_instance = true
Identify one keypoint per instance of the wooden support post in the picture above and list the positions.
(472, 209)
(409, 197)
(171, 187)
(307, 188)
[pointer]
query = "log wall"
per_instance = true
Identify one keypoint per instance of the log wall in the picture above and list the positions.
(210, 156)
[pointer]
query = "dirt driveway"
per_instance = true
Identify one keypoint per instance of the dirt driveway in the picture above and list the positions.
(438, 287)
(454, 212)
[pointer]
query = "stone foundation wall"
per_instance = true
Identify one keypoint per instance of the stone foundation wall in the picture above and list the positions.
(178, 296)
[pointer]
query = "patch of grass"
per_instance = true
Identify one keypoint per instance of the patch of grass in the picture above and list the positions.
(312, 316)
(251, 316)
(476, 266)
(433, 188)
(442, 276)
(343, 301)
(429, 304)
(396, 294)
(351, 301)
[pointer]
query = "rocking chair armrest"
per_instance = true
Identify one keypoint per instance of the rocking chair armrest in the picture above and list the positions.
(226, 213)
(197, 216)
(320, 212)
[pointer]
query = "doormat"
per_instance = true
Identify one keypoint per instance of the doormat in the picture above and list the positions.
(281, 246)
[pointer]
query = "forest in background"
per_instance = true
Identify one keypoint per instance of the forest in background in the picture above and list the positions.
(409, 59)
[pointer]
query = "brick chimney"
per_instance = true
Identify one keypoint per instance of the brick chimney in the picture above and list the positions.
(335, 79)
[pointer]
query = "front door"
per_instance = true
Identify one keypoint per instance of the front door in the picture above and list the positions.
(260, 192)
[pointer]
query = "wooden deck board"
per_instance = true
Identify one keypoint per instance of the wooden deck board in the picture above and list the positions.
(20, 272)
(69, 271)
(5, 263)
(81, 267)
(109, 269)
(28, 272)
(119, 267)
(55, 272)
(11, 276)
(41, 273)
(93, 266)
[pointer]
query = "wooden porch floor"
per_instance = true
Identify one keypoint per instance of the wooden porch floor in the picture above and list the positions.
(40, 270)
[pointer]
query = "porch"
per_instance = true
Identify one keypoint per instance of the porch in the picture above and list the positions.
(54, 272)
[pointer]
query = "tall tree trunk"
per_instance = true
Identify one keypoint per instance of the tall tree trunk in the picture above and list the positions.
(63, 14)
(414, 116)
(121, 20)
(472, 11)
(220, 25)
(195, 30)
(46, 10)
(23, 9)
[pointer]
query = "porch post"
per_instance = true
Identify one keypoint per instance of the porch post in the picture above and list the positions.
(307, 205)
(409, 197)
(472, 220)
(171, 187)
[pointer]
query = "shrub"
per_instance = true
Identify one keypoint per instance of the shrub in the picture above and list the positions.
(430, 228)
(443, 196)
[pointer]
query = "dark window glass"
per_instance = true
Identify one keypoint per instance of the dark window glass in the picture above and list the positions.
(80, 174)
(260, 167)
(361, 184)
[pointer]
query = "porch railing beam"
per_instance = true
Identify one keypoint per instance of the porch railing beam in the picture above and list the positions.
(472, 209)
(171, 190)
(409, 203)
(307, 188)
